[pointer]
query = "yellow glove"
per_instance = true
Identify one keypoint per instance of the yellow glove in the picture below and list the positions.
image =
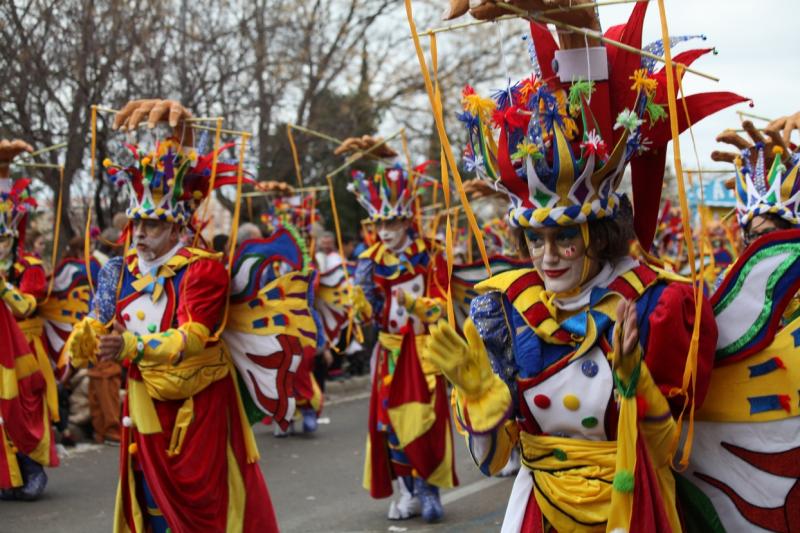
(81, 346)
(483, 397)
(22, 305)
(428, 310)
(360, 304)
(168, 347)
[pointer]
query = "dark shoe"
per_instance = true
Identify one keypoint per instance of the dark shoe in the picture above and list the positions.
(432, 510)
(35, 479)
(309, 420)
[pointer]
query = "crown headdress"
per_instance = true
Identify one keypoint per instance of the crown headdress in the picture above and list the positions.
(563, 145)
(169, 182)
(386, 195)
(774, 190)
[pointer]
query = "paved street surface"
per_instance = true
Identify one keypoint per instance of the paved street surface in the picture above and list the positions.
(315, 483)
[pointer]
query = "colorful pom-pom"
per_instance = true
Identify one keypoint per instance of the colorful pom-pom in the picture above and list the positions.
(623, 481)
(107, 162)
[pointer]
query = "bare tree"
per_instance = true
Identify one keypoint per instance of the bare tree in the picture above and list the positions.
(336, 65)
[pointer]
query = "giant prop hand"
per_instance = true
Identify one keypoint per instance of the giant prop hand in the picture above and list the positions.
(8, 151)
(364, 143)
(773, 139)
(155, 111)
(786, 125)
(488, 9)
(483, 397)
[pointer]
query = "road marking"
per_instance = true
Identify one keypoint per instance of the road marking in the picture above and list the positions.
(472, 488)
(347, 399)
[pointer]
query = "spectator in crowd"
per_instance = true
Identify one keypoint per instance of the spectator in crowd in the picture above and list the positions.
(35, 243)
(248, 231)
(220, 243)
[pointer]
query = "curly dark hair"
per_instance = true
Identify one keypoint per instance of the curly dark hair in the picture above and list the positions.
(777, 221)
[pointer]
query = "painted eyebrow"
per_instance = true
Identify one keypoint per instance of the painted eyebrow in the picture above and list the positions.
(567, 233)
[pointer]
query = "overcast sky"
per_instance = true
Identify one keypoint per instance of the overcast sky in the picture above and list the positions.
(757, 44)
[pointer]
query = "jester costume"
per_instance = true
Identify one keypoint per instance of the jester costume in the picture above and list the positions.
(596, 442)
(201, 365)
(409, 436)
(28, 394)
(294, 215)
(747, 438)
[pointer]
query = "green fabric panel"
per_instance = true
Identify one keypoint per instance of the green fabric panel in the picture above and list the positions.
(698, 513)
(254, 414)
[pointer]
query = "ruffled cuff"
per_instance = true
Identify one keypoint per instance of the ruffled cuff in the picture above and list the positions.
(22, 305)
(428, 310)
(486, 412)
(81, 345)
(168, 347)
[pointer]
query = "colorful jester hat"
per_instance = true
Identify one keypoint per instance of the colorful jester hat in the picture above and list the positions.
(761, 191)
(387, 195)
(15, 204)
(169, 182)
(563, 145)
(292, 212)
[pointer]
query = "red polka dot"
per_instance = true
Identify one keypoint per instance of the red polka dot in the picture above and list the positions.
(393, 323)
(541, 401)
(126, 317)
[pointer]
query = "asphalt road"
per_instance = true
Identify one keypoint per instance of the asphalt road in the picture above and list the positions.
(314, 481)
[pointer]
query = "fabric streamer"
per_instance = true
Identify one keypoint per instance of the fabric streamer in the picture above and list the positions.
(340, 244)
(295, 159)
(436, 106)
(690, 371)
(88, 226)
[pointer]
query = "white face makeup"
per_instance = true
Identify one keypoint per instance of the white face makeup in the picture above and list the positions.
(558, 255)
(153, 238)
(393, 234)
(6, 243)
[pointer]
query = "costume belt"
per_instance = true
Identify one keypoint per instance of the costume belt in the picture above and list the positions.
(572, 479)
(165, 382)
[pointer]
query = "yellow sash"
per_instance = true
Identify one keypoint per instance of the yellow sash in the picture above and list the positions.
(181, 382)
(572, 479)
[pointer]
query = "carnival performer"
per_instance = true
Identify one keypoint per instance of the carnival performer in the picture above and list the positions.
(289, 212)
(160, 310)
(747, 437)
(394, 286)
(759, 163)
(28, 394)
(574, 359)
